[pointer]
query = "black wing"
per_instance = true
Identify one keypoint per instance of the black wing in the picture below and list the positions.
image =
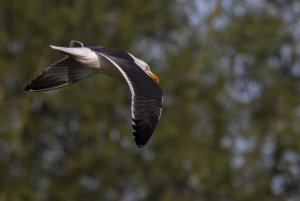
(60, 74)
(146, 98)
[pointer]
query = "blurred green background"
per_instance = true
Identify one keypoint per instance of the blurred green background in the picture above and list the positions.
(230, 127)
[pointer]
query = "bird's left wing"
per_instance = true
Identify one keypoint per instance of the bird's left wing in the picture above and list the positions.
(146, 104)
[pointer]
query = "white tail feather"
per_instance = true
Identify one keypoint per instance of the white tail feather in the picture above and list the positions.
(83, 55)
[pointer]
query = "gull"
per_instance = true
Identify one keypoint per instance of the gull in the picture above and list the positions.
(84, 60)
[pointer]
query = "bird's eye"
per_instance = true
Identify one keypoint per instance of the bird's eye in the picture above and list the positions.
(147, 67)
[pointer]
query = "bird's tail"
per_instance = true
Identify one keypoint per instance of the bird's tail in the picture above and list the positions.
(60, 74)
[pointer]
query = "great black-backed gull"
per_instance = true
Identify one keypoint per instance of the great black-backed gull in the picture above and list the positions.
(83, 60)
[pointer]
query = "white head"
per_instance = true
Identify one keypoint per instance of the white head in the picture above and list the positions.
(145, 67)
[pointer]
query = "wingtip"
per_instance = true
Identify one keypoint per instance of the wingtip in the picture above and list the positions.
(139, 144)
(27, 88)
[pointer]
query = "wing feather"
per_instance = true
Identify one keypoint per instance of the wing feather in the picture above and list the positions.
(146, 98)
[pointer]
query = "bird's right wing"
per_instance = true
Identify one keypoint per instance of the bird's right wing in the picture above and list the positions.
(146, 104)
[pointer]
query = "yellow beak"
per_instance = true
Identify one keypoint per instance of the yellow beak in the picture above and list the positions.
(154, 77)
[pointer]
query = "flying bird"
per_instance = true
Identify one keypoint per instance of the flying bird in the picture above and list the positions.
(83, 60)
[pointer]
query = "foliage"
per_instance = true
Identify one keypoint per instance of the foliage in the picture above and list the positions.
(230, 123)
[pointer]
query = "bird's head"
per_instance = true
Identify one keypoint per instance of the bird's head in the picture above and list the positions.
(145, 67)
(148, 71)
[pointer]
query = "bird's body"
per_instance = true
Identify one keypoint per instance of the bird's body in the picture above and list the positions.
(82, 61)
